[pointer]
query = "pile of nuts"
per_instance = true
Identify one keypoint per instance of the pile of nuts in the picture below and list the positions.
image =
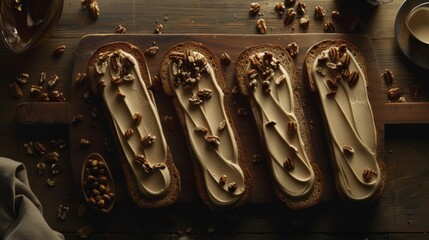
(98, 185)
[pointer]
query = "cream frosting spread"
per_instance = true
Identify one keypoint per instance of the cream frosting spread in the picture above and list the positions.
(281, 131)
(210, 134)
(350, 122)
(126, 98)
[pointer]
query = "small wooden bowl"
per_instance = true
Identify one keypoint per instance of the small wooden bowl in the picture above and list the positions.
(98, 186)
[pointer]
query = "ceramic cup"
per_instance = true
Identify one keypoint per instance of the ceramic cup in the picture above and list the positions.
(25, 23)
(417, 22)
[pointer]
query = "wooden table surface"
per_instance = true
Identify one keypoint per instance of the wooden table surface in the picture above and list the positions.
(401, 213)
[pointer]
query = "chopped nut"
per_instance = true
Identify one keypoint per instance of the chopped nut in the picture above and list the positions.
(128, 133)
(347, 150)
(353, 78)
(293, 49)
(41, 167)
(15, 90)
(304, 21)
(301, 8)
(332, 85)
(85, 142)
(42, 78)
(335, 15)
(225, 58)
(232, 187)
(289, 16)
(288, 164)
(254, 8)
(270, 123)
(62, 212)
(52, 157)
(388, 76)
(53, 81)
(56, 168)
(151, 50)
(212, 139)
(280, 8)
(137, 118)
(195, 100)
(78, 119)
(59, 51)
(36, 90)
(201, 129)
(204, 93)
(222, 125)
(51, 181)
(394, 93)
(94, 10)
(148, 139)
(39, 148)
(262, 26)
(158, 28)
(319, 12)
(121, 29)
(328, 27)
(222, 180)
(292, 126)
(22, 78)
(367, 174)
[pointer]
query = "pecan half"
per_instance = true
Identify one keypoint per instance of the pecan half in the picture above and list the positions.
(288, 164)
(94, 10)
(347, 150)
(120, 29)
(152, 50)
(394, 93)
(222, 180)
(301, 8)
(388, 76)
(15, 90)
(280, 8)
(319, 12)
(293, 49)
(59, 51)
(225, 59)
(289, 16)
(304, 21)
(232, 187)
(262, 26)
(328, 27)
(148, 140)
(367, 174)
(353, 78)
(254, 8)
(22, 78)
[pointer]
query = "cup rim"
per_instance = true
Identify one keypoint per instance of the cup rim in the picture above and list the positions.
(36, 39)
(410, 14)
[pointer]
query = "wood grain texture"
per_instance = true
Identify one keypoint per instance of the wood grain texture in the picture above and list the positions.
(400, 214)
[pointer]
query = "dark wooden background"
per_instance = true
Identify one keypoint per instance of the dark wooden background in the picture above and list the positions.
(399, 214)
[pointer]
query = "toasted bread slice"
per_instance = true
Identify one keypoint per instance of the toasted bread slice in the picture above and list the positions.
(337, 71)
(266, 74)
(191, 73)
(119, 76)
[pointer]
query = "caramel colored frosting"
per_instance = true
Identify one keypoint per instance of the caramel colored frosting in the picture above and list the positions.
(210, 135)
(136, 121)
(274, 95)
(350, 121)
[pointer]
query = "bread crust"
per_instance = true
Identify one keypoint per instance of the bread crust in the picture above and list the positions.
(311, 56)
(315, 195)
(197, 170)
(173, 193)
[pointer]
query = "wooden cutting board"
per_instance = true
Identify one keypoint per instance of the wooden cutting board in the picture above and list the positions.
(93, 127)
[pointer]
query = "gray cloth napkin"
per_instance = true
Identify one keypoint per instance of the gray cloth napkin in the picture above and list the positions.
(20, 210)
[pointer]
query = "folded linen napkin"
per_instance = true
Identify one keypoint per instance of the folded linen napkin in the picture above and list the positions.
(20, 210)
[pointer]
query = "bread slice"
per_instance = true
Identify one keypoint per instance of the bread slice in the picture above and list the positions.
(191, 73)
(119, 77)
(266, 74)
(337, 71)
